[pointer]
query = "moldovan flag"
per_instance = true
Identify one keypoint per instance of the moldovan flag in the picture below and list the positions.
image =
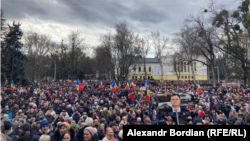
(12, 86)
(199, 88)
(101, 84)
(127, 87)
(119, 86)
(77, 85)
(131, 95)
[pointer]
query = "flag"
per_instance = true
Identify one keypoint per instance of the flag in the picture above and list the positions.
(147, 85)
(132, 85)
(77, 85)
(127, 87)
(199, 88)
(148, 93)
(140, 78)
(68, 81)
(81, 87)
(113, 86)
(119, 84)
(208, 90)
(12, 86)
(101, 84)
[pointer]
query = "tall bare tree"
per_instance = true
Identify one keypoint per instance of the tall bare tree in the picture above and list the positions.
(145, 48)
(159, 43)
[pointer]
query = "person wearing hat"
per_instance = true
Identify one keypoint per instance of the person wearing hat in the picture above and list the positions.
(15, 122)
(103, 121)
(88, 123)
(2, 132)
(90, 134)
(115, 128)
(65, 115)
(25, 134)
(74, 126)
(33, 127)
(198, 121)
(44, 128)
(106, 114)
(8, 130)
(7, 112)
(64, 126)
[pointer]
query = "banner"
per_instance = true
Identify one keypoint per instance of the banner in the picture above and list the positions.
(161, 132)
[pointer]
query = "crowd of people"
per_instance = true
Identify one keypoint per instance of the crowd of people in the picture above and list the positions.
(56, 111)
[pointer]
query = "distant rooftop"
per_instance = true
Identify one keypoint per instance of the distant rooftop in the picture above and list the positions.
(150, 60)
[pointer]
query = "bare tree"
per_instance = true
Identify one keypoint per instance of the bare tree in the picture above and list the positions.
(145, 48)
(160, 45)
(37, 46)
(205, 41)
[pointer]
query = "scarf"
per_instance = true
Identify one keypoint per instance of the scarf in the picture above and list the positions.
(8, 132)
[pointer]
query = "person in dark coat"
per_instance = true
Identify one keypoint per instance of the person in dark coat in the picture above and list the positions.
(44, 128)
(101, 131)
(25, 133)
(62, 128)
(8, 130)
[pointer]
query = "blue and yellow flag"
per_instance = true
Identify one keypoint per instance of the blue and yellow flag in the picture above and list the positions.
(77, 85)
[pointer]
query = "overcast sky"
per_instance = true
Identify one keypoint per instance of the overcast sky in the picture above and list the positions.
(97, 17)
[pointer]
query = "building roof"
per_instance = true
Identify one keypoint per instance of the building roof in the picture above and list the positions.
(150, 60)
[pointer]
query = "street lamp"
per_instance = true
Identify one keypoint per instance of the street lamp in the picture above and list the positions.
(218, 74)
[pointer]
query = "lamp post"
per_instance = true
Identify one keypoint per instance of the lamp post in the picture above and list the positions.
(218, 74)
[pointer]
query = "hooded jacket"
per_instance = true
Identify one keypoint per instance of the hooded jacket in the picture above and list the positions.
(9, 114)
(56, 135)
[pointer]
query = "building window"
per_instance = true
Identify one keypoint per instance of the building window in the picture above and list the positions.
(135, 77)
(181, 66)
(188, 77)
(148, 77)
(185, 77)
(195, 66)
(134, 68)
(149, 69)
(188, 69)
(139, 69)
(132, 77)
(182, 77)
(144, 69)
(185, 67)
(143, 77)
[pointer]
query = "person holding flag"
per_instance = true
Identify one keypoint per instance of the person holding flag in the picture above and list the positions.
(132, 85)
(148, 93)
(77, 85)
(147, 85)
(131, 95)
(12, 86)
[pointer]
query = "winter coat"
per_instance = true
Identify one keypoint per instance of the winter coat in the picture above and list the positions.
(101, 134)
(30, 115)
(15, 123)
(49, 118)
(69, 111)
(29, 137)
(56, 135)
(39, 117)
(11, 133)
(14, 110)
(66, 116)
(75, 128)
(9, 114)
(76, 117)
(156, 121)
(40, 133)
(79, 135)
(106, 115)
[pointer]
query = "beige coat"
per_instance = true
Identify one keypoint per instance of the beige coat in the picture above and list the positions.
(106, 138)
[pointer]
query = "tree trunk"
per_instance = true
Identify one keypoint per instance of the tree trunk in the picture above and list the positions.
(214, 77)
(225, 72)
(192, 69)
(145, 69)
(161, 70)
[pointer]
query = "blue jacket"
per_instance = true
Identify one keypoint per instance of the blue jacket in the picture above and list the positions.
(9, 114)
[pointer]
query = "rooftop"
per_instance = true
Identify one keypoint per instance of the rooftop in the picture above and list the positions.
(150, 60)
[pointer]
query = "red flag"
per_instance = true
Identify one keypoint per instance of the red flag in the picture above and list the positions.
(131, 96)
(81, 87)
(147, 97)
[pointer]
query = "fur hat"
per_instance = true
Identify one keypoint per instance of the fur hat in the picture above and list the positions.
(65, 124)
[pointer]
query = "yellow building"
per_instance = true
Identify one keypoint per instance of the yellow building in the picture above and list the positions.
(170, 70)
